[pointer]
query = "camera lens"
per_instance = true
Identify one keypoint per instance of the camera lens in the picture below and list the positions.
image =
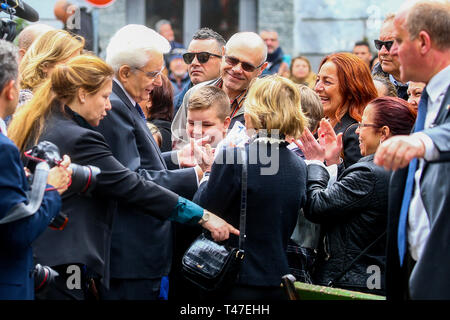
(43, 276)
(84, 178)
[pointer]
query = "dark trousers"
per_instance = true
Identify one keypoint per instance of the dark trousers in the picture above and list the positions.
(131, 289)
(409, 266)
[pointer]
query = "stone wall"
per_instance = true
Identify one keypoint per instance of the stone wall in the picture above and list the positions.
(319, 27)
(110, 20)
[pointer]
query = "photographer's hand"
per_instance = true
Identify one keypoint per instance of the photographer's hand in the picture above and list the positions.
(60, 176)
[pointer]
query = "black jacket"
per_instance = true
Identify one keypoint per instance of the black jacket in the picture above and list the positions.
(274, 200)
(352, 213)
(347, 126)
(87, 237)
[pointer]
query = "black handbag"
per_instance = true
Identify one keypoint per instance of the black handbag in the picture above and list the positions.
(213, 266)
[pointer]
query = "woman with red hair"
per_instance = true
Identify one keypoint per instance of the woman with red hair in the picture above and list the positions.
(345, 86)
(352, 211)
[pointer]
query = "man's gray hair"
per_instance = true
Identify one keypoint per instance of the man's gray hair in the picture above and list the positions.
(8, 63)
(160, 23)
(131, 45)
(207, 34)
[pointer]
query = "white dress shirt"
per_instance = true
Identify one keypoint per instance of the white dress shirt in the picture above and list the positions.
(418, 223)
(3, 127)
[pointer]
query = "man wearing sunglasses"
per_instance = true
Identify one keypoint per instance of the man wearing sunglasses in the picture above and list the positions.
(388, 65)
(203, 58)
(244, 59)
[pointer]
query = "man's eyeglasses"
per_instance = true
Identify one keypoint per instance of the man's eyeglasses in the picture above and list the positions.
(202, 57)
(367, 125)
(151, 74)
(245, 65)
(387, 44)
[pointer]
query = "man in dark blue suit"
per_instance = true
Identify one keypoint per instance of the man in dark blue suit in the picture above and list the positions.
(16, 237)
(418, 252)
(141, 251)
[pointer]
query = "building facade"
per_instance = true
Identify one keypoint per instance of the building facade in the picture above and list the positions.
(313, 28)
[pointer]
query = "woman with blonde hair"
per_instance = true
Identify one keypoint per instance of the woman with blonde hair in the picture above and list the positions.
(301, 72)
(64, 111)
(275, 190)
(47, 51)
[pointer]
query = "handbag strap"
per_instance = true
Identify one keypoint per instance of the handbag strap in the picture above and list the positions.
(243, 199)
(339, 276)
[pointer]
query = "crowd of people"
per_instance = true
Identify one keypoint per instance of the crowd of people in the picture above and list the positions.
(347, 182)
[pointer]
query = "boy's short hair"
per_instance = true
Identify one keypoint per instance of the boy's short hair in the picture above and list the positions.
(211, 96)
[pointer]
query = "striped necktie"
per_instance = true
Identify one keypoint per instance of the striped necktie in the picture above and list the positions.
(401, 235)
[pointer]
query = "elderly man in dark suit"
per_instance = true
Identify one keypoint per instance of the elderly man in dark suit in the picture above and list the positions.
(418, 251)
(141, 245)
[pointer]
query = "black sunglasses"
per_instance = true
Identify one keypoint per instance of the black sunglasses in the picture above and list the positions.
(202, 57)
(245, 65)
(379, 44)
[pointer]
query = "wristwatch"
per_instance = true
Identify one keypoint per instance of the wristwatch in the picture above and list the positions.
(204, 218)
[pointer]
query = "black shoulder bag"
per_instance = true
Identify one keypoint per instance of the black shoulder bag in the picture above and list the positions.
(211, 265)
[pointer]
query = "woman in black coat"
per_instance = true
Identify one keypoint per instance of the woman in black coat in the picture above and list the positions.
(64, 111)
(353, 210)
(275, 191)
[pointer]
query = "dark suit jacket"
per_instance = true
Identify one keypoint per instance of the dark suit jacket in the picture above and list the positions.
(274, 200)
(16, 259)
(141, 245)
(430, 278)
(87, 237)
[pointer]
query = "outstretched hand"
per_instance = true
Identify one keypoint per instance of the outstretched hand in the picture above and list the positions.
(331, 142)
(396, 152)
(328, 147)
(187, 155)
(219, 228)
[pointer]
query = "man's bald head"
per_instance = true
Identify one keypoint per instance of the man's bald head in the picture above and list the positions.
(244, 59)
(248, 40)
(29, 34)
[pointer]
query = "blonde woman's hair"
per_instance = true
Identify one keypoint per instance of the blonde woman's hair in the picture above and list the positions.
(52, 47)
(86, 71)
(274, 103)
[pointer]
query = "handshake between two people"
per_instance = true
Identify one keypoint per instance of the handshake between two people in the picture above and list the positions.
(200, 154)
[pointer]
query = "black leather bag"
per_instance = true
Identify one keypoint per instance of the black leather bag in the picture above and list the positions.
(213, 266)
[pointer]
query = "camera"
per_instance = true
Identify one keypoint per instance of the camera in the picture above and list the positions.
(14, 8)
(43, 276)
(84, 178)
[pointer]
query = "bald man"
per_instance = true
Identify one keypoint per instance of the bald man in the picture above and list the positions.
(244, 57)
(29, 34)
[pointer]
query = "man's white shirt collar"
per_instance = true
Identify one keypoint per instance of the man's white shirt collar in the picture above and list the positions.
(133, 102)
(3, 126)
(438, 84)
